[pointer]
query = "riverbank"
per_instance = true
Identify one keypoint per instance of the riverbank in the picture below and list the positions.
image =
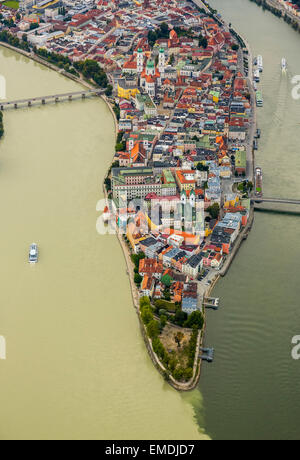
(280, 11)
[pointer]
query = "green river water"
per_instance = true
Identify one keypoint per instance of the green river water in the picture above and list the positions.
(252, 389)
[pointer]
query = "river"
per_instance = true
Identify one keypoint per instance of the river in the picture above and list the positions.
(252, 389)
(76, 365)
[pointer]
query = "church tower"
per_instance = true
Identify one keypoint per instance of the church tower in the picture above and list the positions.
(161, 61)
(150, 68)
(140, 60)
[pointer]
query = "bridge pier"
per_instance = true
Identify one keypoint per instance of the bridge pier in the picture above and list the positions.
(57, 99)
(29, 103)
(16, 106)
(43, 101)
(70, 97)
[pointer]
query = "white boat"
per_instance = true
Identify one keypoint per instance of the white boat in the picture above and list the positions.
(256, 76)
(260, 63)
(283, 64)
(33, 254)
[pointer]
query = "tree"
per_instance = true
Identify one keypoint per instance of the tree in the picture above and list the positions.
(188, 373)
(116, 109)
(33, 26)
(166, 280)
(178, 337)
(120, 146)
(138, 279)
(196, 319)
(203, 42)
(161, 32)
(214, 210)
(90, 68)
(109, 90)
(107, 183)
(164, 30)
(136, 258)
(163, 321)
(178, 374)
(167, 295)
(159, 349)
(144, 302)
(202, 167)
(172, 59)
(101, 79)
(152, 37)
(173, 362)
(180, 317)
(147, 314)
(153, 329)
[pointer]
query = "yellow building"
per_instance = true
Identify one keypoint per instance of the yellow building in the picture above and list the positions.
(231, 201)
(133, 235)
(125, 91)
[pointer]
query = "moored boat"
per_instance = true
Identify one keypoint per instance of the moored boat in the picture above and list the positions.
(258, 182)
(259, 99)
(256, 76)
(260, 63)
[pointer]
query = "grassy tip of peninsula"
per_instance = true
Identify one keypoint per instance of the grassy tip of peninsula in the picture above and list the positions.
(174, 346)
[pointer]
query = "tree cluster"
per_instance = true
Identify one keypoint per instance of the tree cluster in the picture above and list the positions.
(91, 70)
(6, 37)
(214, 210)
(162, 32)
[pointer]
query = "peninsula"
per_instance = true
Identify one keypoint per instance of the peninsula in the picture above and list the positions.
(179, 192)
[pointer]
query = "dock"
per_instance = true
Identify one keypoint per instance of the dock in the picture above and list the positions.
(208, 354)
(211, 302)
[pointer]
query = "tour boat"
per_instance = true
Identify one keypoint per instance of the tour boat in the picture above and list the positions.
(258, 182)
(260, 63)
(259, 99)
(283, 64)
(33, 253)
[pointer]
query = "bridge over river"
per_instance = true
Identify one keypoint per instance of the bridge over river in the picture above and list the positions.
(275, 200)
(42, 100)
(276, 205)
